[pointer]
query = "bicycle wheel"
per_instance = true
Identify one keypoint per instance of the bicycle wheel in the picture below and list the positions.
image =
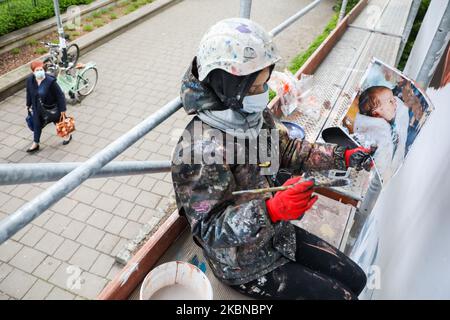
(73, 52)
(87, 81)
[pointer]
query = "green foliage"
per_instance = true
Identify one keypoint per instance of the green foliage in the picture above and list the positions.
(88, 28)
(350, 5)
(272, 94)
(130, 8)
(31, 42)
(96, 14)
(18, 14)
(98, 23)
(113, 16)
(15, 51)
(70, 27)
(122, 3)
(40, 50)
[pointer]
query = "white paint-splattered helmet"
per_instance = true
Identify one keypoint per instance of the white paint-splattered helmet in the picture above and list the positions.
(238, 46)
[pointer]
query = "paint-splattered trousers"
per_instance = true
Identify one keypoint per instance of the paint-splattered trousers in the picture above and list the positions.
(320, 272)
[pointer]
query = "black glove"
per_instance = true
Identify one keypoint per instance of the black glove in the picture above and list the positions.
(360, 158)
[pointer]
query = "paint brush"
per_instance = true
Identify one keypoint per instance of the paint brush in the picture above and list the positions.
(328, 184)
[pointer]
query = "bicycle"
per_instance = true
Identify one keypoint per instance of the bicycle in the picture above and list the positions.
(79, 80)
(73, 52)
(76, 80)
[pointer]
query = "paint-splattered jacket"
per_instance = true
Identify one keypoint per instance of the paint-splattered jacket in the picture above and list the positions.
(237, 236)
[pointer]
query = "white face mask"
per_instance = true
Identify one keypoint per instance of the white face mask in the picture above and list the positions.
(256, 103)
(39, 74)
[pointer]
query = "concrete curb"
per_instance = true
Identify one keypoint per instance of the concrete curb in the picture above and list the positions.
(14, 80)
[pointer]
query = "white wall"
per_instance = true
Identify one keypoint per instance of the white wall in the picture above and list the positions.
(408, 235)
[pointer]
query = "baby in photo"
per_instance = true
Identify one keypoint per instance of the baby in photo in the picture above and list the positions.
(383, 120)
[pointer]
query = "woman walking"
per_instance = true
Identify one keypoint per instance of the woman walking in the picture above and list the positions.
(43, 92)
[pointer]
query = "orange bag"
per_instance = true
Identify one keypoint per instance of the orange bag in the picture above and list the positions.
(65, 126)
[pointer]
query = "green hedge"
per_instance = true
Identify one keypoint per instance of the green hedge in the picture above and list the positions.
(17, 14)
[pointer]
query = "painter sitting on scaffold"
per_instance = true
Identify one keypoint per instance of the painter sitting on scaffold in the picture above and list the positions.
(247, 238)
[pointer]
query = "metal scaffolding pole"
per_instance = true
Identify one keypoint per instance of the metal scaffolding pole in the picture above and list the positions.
(430, 43)
(343, 9)
(245, 9)
(62, 38)
(275, 31)
(437, 47)
(407, 31)
(45, 172)
(31, 210)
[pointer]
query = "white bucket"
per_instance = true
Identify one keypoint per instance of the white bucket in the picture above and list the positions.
(176, 280)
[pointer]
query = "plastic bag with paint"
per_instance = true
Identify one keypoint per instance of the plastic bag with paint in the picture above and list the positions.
(293, 93)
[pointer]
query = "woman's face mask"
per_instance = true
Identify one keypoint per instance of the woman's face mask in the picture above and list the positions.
(256, 103)
(39, 74)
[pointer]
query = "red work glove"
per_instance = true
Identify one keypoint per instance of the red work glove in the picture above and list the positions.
(292, 203)
(359, 158)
